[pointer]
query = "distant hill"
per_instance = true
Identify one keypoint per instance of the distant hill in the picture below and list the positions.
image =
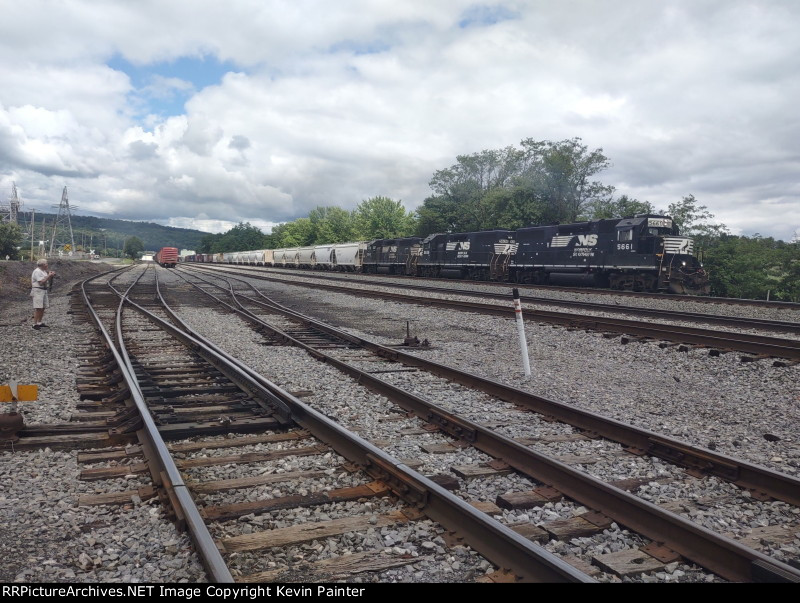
(107, 233)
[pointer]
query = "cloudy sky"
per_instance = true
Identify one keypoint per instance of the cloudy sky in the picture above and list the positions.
(202, 113)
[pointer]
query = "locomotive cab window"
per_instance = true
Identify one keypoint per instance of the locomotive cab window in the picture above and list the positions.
(625, 235)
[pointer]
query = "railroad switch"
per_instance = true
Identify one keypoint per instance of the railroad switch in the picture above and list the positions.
(414, 342)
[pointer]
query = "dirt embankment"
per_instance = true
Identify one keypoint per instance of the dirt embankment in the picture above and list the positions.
(15, 279)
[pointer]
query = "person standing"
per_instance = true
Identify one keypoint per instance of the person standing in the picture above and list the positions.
(40, 279)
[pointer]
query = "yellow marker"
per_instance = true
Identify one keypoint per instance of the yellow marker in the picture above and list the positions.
(20, 393)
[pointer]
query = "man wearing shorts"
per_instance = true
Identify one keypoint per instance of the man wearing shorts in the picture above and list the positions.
(39, 280)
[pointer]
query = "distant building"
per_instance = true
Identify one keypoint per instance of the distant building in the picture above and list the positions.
(147, 258)
(185, 252)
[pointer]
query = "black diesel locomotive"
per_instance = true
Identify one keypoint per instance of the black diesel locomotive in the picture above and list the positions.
(643, 253)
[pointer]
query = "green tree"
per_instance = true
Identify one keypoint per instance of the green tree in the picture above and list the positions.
(621, 207)
(518, 207)
(564, 172)
(382, 217)
(10, 239)
(208, 242)
(274, 239)
(694, 220)
(746, 267)
(542, 182)
(133, 248)
(690, 217)
(299, 233)
(463, 199)
(477, 173)
(789, 283)
(332, 225)
(438, 214)
(242, 237)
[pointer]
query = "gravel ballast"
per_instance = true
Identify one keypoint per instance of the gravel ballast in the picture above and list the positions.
(46, 536)
(748, 410)
(474, 337)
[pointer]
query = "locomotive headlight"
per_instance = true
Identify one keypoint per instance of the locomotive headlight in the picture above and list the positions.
(683, 263)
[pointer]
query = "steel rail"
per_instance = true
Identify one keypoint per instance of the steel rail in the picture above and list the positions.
(752, 344)
(498, 543)
(703, 299)
(742, 473)
(215, 566)
(722, 555)
(745, 323)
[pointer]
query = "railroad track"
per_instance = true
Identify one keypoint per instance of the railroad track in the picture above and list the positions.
(607, 502)
(759, 346)
(778, 326)
(174, 383)
(633, 295)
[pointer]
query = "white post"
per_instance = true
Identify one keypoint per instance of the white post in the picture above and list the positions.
(523, 344)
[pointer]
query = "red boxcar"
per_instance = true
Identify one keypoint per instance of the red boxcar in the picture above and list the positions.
(167, 257)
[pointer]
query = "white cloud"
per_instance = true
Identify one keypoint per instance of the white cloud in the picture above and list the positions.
(333, 103)
(165, 88)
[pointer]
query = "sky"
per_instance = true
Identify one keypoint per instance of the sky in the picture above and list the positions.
(203, 114)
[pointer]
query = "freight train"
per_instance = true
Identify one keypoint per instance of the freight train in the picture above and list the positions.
(641, 253)
(167, 257)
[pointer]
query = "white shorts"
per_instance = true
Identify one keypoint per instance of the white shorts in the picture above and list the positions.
(40, 298)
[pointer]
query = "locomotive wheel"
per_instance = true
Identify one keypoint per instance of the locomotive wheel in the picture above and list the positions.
(623, 282)
(533, 277)
(644, 282)
(523, 277)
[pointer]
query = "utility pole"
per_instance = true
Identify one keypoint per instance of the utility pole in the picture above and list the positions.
(33, 228)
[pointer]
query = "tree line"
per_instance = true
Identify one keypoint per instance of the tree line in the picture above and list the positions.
(375, 218)
(539, 182)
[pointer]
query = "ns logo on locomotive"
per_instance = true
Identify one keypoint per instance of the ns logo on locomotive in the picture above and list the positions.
(640, 253)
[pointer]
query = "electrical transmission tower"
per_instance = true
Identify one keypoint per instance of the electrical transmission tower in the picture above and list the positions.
(9, 212)
(13, 213)
(62, 227)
